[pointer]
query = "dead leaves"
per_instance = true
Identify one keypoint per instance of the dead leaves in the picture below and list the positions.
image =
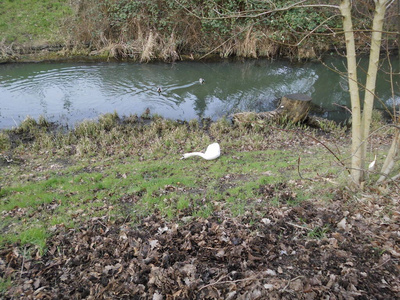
(215, 258)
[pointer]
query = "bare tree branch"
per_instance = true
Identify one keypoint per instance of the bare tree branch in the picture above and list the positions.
(257, 13)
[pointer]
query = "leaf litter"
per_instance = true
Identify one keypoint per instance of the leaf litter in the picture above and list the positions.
(220, 257)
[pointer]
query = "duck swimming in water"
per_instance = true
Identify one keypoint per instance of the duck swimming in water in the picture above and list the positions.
(159, 90)
(201, 80)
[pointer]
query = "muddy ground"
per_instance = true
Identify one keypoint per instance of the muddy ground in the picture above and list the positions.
(335, 251)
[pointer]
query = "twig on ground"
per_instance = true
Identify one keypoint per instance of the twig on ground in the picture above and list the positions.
(228, 281)
(318, 141)
(298, 226)
(298, 170)
(290, 280)
(22, 264)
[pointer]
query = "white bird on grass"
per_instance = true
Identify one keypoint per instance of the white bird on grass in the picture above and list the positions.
(212, 152)
(371, 166)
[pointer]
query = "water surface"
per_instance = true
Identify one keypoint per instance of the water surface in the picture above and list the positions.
(72, 92)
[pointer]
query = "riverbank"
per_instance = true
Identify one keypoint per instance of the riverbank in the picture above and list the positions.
(170, 31)
(109, 210)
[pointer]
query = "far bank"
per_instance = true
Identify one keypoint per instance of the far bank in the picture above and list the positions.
(173, 30)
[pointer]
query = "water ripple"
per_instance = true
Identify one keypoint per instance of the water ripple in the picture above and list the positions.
(72, 91)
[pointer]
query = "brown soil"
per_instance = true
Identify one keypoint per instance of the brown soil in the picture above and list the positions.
(295, 252)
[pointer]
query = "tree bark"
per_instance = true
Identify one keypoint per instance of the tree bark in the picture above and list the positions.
(361, 122)
(370, 85)
(390, 159)
(356, 167)
(294, 107)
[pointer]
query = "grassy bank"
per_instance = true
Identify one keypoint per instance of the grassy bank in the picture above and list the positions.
(32, 23)
(128, 169)
(122, 177)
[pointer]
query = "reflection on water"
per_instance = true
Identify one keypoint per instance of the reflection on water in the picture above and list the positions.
(70, 92)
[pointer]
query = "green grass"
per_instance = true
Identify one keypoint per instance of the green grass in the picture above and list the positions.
(30, 21)
(53, 186)
(319, 232)
(5, 283)
(164, 187)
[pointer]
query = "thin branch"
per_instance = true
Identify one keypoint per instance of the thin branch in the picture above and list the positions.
(320, 5)
(312, 31)
(298, 226)
(220, 45)
(392, 86)
(246, 14)
(342, 106)
(270, 11)
(23, 262)
(361, 85)
(395, 177)
(392, 179)
(320, 142)
(298, 170)
(228, 281)
(293, 279)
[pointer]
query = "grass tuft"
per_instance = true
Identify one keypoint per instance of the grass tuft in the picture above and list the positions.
(5, 142)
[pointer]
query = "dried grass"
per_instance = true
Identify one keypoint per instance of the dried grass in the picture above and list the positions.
(6, 50)
(306, 52)
(267, 47)
(169, 51)
(123, 50)
(248, 46)
(227, 49)
(96, 26)
(149, 47)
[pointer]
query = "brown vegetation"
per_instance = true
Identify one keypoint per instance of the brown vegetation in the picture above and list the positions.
(166, 30)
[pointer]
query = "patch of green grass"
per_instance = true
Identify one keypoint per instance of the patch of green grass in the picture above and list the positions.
(61, 220)
(28, 21)
(5, 283)
(35, 235)
(182, 203)
(204, 211)
(319, 232)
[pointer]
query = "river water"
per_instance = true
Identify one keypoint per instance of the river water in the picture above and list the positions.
(71, 92)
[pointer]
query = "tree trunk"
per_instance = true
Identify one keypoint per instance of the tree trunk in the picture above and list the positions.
(356, 170)
(390, 159)
(374, 53)
(294, 107)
